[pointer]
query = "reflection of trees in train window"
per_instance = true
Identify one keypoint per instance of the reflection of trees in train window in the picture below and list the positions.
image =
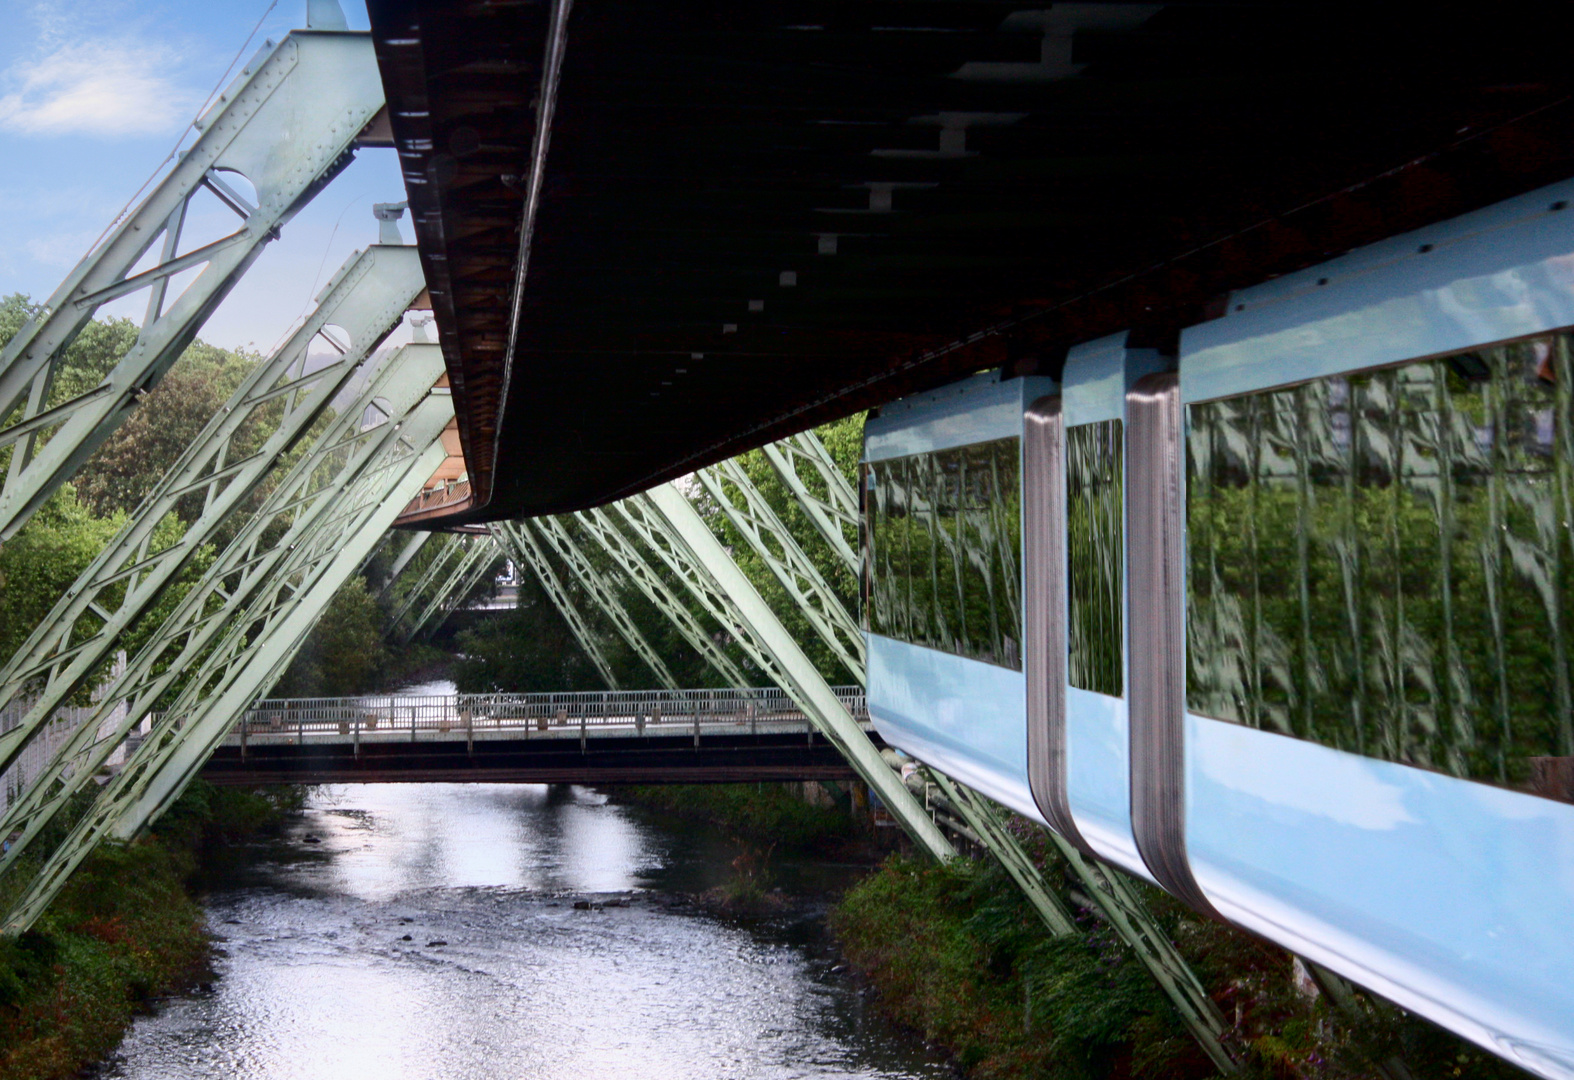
(944, 548)
(1094, 546)
(1383, 563)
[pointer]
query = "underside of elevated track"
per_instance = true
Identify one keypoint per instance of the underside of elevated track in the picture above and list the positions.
(658, 235)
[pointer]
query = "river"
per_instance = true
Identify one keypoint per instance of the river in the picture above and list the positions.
(430, 931)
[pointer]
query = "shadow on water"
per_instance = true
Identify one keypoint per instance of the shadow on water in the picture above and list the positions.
(431, 931)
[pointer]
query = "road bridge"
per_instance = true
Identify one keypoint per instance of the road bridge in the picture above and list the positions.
(597, 737)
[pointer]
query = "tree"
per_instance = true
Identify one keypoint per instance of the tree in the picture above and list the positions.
(168, 420)
(344, 652)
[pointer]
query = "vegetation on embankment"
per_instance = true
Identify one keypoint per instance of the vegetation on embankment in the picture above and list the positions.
(772, 814)
(124, 931)
(956, 953)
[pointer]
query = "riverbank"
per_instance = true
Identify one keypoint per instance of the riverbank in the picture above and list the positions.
(956, 954)
(768, 814)
(125, 931)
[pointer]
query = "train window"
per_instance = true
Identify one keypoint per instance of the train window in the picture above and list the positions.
(1382, 562)
(944, 548)
(1095, 484)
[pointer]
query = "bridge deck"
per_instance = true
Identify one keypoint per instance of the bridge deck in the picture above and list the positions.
(611, 737)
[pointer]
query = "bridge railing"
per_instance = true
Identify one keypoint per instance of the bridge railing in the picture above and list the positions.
(608, 712)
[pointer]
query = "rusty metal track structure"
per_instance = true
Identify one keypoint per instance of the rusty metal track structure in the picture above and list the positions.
(661, 234)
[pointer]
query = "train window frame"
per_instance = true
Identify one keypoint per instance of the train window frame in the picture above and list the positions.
(971, 608)
(1479, 426)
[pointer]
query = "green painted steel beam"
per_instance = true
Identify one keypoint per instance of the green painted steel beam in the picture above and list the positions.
(288, 123)
(239, 671)
(267, 654)
(834, 514)
(599, 526)
(314, 493)
(457, 596)
(434, 572)
(747, 509)
(280, 399)
(318, 494)
(479, 551)
(602, 594)
(671, 527)
(416, 542)
(522, 546)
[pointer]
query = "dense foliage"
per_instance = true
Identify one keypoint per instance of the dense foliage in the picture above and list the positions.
(955, 952)
(124, 930)
(766, 813)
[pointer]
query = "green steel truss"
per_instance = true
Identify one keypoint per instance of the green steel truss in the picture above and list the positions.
(598, 525)
(280, 400)
(235, 630)
(601, 592)
(411, 547)
(436, 571)
(479, 554)
(521, 545)
(746, 508)
(811, 474)
(287, 125)
(668, 525)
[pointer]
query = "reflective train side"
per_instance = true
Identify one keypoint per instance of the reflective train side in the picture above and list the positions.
(1283, 623)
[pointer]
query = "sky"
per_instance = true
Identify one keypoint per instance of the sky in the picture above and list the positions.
(94, 94)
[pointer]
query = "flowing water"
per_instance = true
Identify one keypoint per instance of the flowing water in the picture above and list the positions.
(430, 931)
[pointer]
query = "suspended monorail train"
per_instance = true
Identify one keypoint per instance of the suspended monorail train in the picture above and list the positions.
(1282, 622)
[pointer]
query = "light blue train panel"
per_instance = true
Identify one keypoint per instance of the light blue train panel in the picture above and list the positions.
(942, 477)
(1377, 759)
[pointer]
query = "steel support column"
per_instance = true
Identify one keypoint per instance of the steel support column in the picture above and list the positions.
(254, 653)
(416, 542)
(430, 575)
(521, 545)
(298, 521)
(602, 594)
(832, 514)
(479, 551)
(752, 515)
(263, 646)
(599, 526)
(672, 528)
(281, 398)
(457, 595)
(288, 123)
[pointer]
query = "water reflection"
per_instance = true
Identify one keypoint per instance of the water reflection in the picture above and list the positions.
(501, 975)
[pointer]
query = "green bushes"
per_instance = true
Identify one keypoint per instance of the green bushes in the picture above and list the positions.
(958, 955)
(769, 813)
(123, 931)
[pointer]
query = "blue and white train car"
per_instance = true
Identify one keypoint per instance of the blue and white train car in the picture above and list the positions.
(1283, 623)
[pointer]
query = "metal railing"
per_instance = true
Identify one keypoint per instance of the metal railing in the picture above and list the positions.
(551, 715)
(437, 499)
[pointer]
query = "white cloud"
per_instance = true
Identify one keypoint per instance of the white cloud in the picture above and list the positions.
(62, 250)
(94, 88)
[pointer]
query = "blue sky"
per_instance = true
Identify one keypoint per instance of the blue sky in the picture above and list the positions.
(93, 96)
